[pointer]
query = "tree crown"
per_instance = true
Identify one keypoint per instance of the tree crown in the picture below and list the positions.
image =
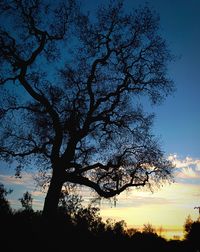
(70, 89)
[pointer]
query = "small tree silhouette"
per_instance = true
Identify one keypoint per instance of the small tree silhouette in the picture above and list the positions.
(4, 203)
(148, 228)
(26, 201)
(192, 231)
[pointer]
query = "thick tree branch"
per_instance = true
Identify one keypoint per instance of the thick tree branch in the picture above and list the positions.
(35, 150)
(109, 192)
(54, 116)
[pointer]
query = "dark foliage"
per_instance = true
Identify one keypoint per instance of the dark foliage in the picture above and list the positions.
(25, 229)
(4, 203)
(192, 235)
(84, 229)
(26, 201)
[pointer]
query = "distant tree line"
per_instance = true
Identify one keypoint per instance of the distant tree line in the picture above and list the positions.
(76, 226)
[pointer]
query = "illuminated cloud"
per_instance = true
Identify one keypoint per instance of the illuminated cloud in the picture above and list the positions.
(189, 173)
(187, 168)
(198, 165)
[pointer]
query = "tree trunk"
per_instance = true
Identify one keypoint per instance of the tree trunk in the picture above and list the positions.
(52, 198)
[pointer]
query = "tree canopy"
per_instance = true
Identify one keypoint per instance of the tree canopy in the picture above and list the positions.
(71, 86)
(4, 203)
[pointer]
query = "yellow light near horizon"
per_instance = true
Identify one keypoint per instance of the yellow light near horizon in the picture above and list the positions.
(168, 207)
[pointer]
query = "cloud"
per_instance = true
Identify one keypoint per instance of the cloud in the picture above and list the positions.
(37, 194)
(37, 204)
(189, 173)
(198, 165)
(27, 179)
(186, 168)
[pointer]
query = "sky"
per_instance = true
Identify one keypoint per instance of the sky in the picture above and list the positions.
(177, 124)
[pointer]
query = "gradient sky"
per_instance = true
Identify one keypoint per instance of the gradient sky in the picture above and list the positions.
(177, 124)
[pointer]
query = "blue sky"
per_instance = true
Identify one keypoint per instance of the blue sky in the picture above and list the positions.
(177, 119)
(177, 124)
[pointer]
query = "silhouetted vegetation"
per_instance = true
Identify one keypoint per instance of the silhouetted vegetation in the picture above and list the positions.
(26, 201)
(4, 204)
(83, 228)
(192, 233)
(71, 92)
(70, 88)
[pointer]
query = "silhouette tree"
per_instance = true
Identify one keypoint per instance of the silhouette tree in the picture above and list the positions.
(5, 208)
(192, 229)
(148, 228)
(188, 224)
(71, 88)
(26, 201)
(70, 202)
